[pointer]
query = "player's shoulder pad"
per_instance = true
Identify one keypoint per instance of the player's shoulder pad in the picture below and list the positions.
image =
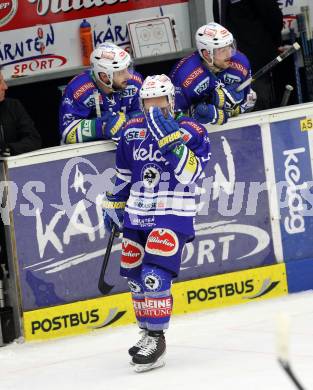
(137, 122)
(80, 85)
(191, 129)
(240, 63)
(136, 79)
(185, 65)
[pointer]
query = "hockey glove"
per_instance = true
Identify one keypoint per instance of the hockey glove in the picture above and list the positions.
(232, 97)
(113, 124)
(113, 212)
(249, 102)
(209, 114)
(164, 130)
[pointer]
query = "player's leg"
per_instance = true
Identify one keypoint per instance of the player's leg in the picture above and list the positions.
(131, 265)
(161, 264)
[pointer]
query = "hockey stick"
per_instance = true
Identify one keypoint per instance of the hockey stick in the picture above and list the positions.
(303, 21)
(282, 349)
(296, 61)
(103, 286)
(286, 95)
(269, 66)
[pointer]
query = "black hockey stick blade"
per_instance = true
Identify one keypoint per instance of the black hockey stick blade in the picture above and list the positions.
(294, 47)
(103, 286)
(287, 368)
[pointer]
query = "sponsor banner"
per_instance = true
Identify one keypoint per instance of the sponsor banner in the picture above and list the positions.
(59, 231)
(290, 8)
(189, 296)
(16, 14)
(78, 317)
(293, 174)
(42, 47)
(61, 241)
(230, 289)
(233, 229)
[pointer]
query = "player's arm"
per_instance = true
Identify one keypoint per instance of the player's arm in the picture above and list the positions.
(186, 161)
(114, 202)
(76, 125)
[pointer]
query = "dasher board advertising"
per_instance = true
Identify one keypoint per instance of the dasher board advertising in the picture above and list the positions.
(61, 240)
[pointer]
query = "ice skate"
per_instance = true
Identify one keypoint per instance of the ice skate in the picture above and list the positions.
(151, 355)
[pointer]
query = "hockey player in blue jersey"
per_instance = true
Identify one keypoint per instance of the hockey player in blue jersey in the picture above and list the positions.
(206, 81)
(97, 103)
(158, 162)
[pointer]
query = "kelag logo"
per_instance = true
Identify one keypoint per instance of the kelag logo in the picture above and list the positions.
(8, 9)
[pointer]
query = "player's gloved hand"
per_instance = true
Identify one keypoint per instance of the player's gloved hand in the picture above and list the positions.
(113, 125)
(209, 114)
(164, 130)
(232, 97)
(113, 212)
(249, 102)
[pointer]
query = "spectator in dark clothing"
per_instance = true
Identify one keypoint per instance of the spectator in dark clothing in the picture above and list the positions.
(256, 25)
(17, 135)
(17, 131)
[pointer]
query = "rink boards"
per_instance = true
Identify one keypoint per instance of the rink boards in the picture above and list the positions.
(206, 293)
(254, 228)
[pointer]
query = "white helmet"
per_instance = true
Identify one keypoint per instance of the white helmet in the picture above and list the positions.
(213, 36)
(156, 86)
(109, 58)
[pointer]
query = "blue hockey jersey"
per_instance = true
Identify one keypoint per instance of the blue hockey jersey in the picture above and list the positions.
(194, 82)
(160, 190)
(78, 119)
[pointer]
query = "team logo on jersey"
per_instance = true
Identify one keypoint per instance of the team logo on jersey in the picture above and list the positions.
(185, 135)
(202, 86)
(133, 134)
(129, 91)
(132, 254)
(162, 242)
(151, 175)
(91, 101)
(144, 154)
(8, 9)
(152, 281)
(231, 78)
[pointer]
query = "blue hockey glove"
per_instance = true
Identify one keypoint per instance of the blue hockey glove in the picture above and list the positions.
(113, 125)
(113, 212)
(226, 96)
(209, 114)
(164, 130)
(232, 97)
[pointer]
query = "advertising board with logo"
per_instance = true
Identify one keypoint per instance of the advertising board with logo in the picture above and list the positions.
(189, 296)
(233, 229)
(61, 240)
(293, 173)
(32, 32)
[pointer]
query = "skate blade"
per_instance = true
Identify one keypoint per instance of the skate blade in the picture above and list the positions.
(148, 367)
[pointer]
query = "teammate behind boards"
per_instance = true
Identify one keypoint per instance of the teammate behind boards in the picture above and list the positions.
(158, 162)
(97, 103)
(206, 81)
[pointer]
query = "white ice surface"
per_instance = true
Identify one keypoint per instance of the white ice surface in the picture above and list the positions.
(231, 348)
